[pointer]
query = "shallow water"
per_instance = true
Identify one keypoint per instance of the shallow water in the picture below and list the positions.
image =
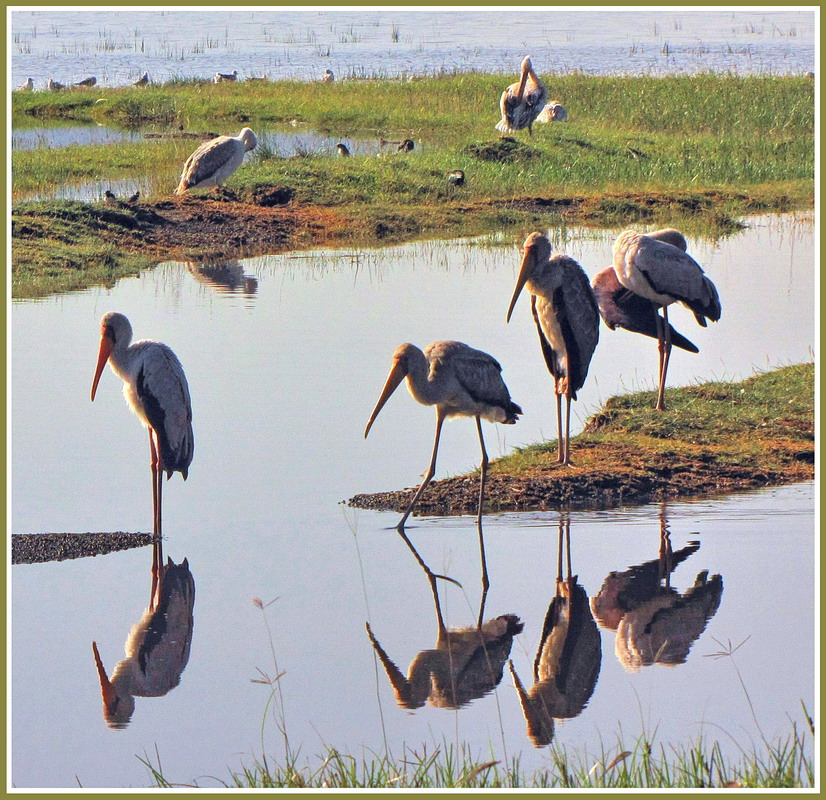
(117, 46)
(285, 357)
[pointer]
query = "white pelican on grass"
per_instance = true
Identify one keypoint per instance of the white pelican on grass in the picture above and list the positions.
(214, 161)
(522, 102)
(553, 112)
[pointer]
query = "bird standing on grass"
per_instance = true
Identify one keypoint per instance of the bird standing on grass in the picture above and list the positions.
(657, 268)
(214, 161)
(459, 381)
(567, 320)
(522, 102)
(143, 80)
(28, 86)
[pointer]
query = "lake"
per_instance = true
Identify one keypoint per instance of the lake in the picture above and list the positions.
(285, 357)
(119, 45)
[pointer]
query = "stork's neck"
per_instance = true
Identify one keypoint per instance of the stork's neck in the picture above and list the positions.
(122, 359)
(419, 380)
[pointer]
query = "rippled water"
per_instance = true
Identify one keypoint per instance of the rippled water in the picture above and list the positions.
(285, 356)
(118, 45)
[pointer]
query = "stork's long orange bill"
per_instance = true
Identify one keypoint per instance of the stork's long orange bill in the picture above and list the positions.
(396, 376)
(524, 272)
(106, 345)
(106, 688)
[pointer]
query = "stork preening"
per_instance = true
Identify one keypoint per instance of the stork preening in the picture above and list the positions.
(461, 382)
(567, 320)
(523, 101)
(215, 161)
(155, 388)
(657, 268)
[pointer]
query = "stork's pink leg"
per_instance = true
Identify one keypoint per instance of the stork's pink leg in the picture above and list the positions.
(661, 373)
(483, 468)
(559, 439)
(666, 356)
(431, 471)
(567, 461)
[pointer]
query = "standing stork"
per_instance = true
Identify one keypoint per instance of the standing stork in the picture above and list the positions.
(657, 268)
(214, 161)
(567, 319)
(522, 102)
(155, 387)
(461, 382)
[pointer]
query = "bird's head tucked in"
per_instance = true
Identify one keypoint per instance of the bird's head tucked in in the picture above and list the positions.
(398, 372)
(115, 329)
(535, 254)
(248, 138)
(524, 71)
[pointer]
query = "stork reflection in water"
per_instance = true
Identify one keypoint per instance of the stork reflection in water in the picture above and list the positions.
(567, 320)
(461, 382)
(657, 267)
(568, 659)
(466, 663)
(157, 648)
(654, 622)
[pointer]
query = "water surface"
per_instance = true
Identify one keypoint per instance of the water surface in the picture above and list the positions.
(285, 356)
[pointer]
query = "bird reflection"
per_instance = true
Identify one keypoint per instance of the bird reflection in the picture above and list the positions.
(224, 277)
(654, 623)
(467, 663)
(567, 661)
(157, 648)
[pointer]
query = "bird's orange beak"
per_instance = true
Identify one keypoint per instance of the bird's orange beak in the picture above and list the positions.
(523, 79)
(396, 376)
(106, 345)
(528, 261)
(107, 690)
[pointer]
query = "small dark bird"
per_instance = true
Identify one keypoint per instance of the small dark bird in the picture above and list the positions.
(456, 178)
(55, 85)
(143, 80)
(134, 198)
(110, 198)
(406, 146)
(342, 149)
(88, 82)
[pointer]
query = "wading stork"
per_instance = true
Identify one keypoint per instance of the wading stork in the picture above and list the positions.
(155, 387)
(567, 319)
(522, 102)
(214, 161)
(657, 268)
(461, 382)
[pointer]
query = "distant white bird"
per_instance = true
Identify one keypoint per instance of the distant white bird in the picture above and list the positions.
(87, 82)
(553, 112)
(522, 102)
(328, 77)
(55, 85)
(461, 382)
(157, 648)
(143, 80)
(28, 86)
(662, 272)
(156, 389)
(221, 77)
(214, 161)
(567, 320)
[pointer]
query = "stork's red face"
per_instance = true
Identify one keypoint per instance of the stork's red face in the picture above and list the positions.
(107, 342)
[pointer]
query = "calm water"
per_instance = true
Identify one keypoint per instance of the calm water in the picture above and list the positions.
(285, 357)
(117, 46)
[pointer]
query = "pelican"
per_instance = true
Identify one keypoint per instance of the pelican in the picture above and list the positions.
(155, 387)
(87, 82)
(567, 320)
(328, 77)
(55, 86)
(522, 102)
(110, 198)
(214, 161)
(553, 112)
(342, 149)
(459, 381)
(28, 86)
(157, 648)
(143, 80)
(456, 178)
(657, 268)
(220, 77)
